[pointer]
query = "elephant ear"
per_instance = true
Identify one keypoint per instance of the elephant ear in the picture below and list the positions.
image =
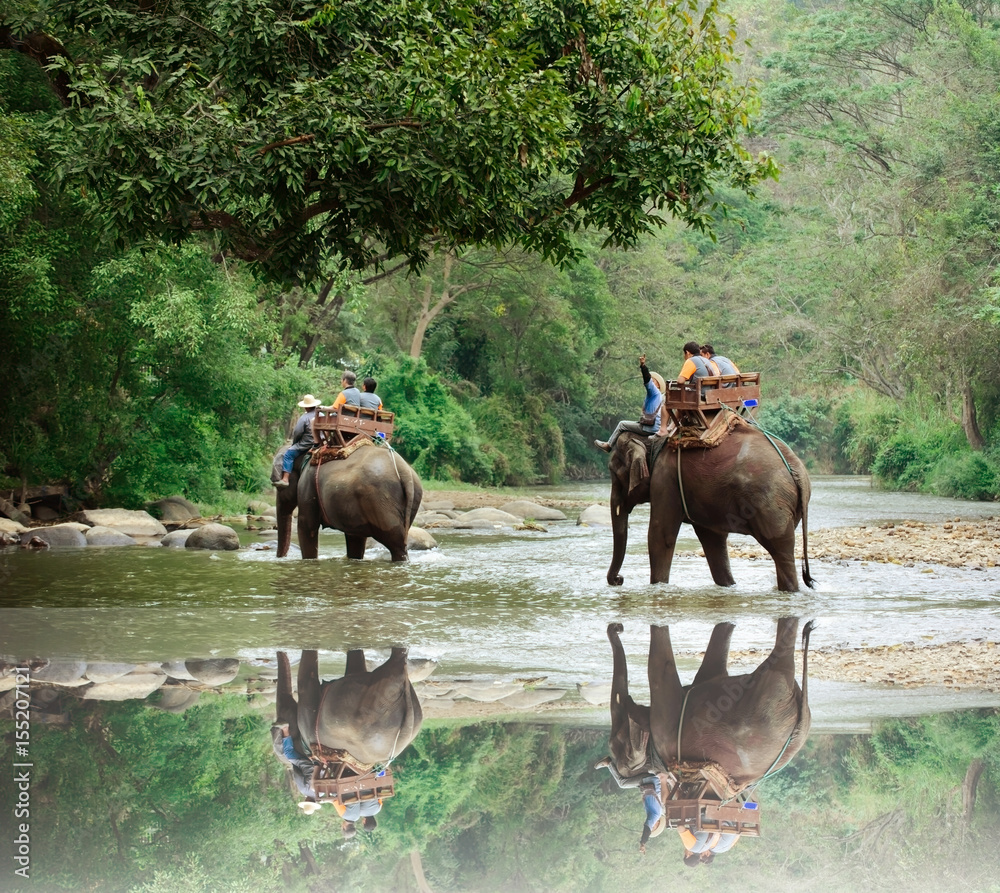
(630, 467)
(638, 471)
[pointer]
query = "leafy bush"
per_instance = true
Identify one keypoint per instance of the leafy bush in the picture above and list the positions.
(966, 476)
(864, 422)
(805, 424)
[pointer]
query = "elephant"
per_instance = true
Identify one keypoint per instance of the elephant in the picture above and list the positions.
(750, 725)
(372, 493)
(372, 716)
(749, 483)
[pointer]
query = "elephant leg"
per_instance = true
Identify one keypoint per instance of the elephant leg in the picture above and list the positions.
(664, 525)
(286, 707)
(623, 708)
(356, 546)
(782, 550)
(355, 662)
(397, 546)
(308, 535)
(717, 554)
(309, 694)
(394, 666)
(716, 660)
(781, 660)
(284, 530)
(666, 694)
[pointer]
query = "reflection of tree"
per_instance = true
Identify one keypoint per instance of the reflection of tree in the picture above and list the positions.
(200, 805)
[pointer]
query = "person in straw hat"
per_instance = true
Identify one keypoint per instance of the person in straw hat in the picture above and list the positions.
(302, 438)
(649, 421)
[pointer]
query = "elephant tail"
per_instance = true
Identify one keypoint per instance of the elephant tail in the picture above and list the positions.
(804, 508)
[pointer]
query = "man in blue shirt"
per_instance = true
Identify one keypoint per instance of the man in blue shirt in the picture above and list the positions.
(649, 423)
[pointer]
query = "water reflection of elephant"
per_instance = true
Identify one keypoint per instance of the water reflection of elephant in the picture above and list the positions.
(721, 733)
(342, 735)
(749, 484)
(372, 493)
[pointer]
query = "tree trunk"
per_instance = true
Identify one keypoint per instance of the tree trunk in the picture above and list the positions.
(970, 424)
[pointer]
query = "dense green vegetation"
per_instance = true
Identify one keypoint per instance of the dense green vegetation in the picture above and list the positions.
(196, 230)
(132, 799)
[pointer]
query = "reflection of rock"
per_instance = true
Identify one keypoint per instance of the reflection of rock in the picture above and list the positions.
(176, 669)
(525, 700)
(523, 508)
(595, 516)
(176, 539)
(108, 536)
(61, 672)
(57, 536)
(598, 693)
(420, 540)
(216, 671)
(133, 523)
(419, 668)
(105, 671)
(216, 537)
(138, 684)
(176, 698)
(485, 692)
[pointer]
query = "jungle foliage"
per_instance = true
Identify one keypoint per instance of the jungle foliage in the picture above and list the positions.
(203, 220)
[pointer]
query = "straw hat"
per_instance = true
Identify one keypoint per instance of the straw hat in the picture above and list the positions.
(310, 806)
(309, 401)
(657, 378)
(661, 823)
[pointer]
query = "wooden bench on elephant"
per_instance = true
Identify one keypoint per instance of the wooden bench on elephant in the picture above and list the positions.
(702, 799)
(337, 428)
(699, 402)
(338, 781)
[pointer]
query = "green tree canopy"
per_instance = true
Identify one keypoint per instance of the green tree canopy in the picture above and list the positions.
(369, 129)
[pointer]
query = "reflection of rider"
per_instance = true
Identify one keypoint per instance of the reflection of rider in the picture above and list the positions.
(359, 809)
(701, 847)
(651, 796)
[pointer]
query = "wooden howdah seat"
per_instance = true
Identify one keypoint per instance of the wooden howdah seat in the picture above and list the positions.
(701, 798)
(338, 781)
(338, 427)
(699, 403)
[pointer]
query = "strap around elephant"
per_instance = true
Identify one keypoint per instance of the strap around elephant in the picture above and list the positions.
(680, 721)
(680, 486)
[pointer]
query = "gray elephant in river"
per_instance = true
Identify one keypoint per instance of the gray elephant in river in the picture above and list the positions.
(749, 483)
(750, 725)
(370, 715)
(372, 493)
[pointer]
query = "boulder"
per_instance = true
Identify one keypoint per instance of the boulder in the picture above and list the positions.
(42, 512)
(107, 536)
(176, 539)
(176, 669)
(522, 509)
(486, 692)
(138, 684)
(595, 516)
(598, 693)
(496, 516)
(175, 510)
(9, 526)
(105, 671)
(258, 507)
(13, 513)
(215, 671)
(56, 536)
(419, 668)
(440, 505)
(213, 536)
(419, 540)
(132, 523)
(61, 672)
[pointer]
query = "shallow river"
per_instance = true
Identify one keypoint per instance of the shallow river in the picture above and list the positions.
(499, 604)
(122, 792)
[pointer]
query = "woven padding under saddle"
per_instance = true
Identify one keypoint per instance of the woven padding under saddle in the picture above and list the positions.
(329, 454)
(696, 437)
(692, 773)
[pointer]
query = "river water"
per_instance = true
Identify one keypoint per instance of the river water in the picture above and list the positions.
(500, 604)
(120, 792)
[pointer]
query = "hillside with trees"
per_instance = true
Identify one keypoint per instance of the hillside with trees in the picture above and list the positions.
(207, 210)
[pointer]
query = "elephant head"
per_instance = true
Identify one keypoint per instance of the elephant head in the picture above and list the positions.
(750, 725)
(629, 465)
